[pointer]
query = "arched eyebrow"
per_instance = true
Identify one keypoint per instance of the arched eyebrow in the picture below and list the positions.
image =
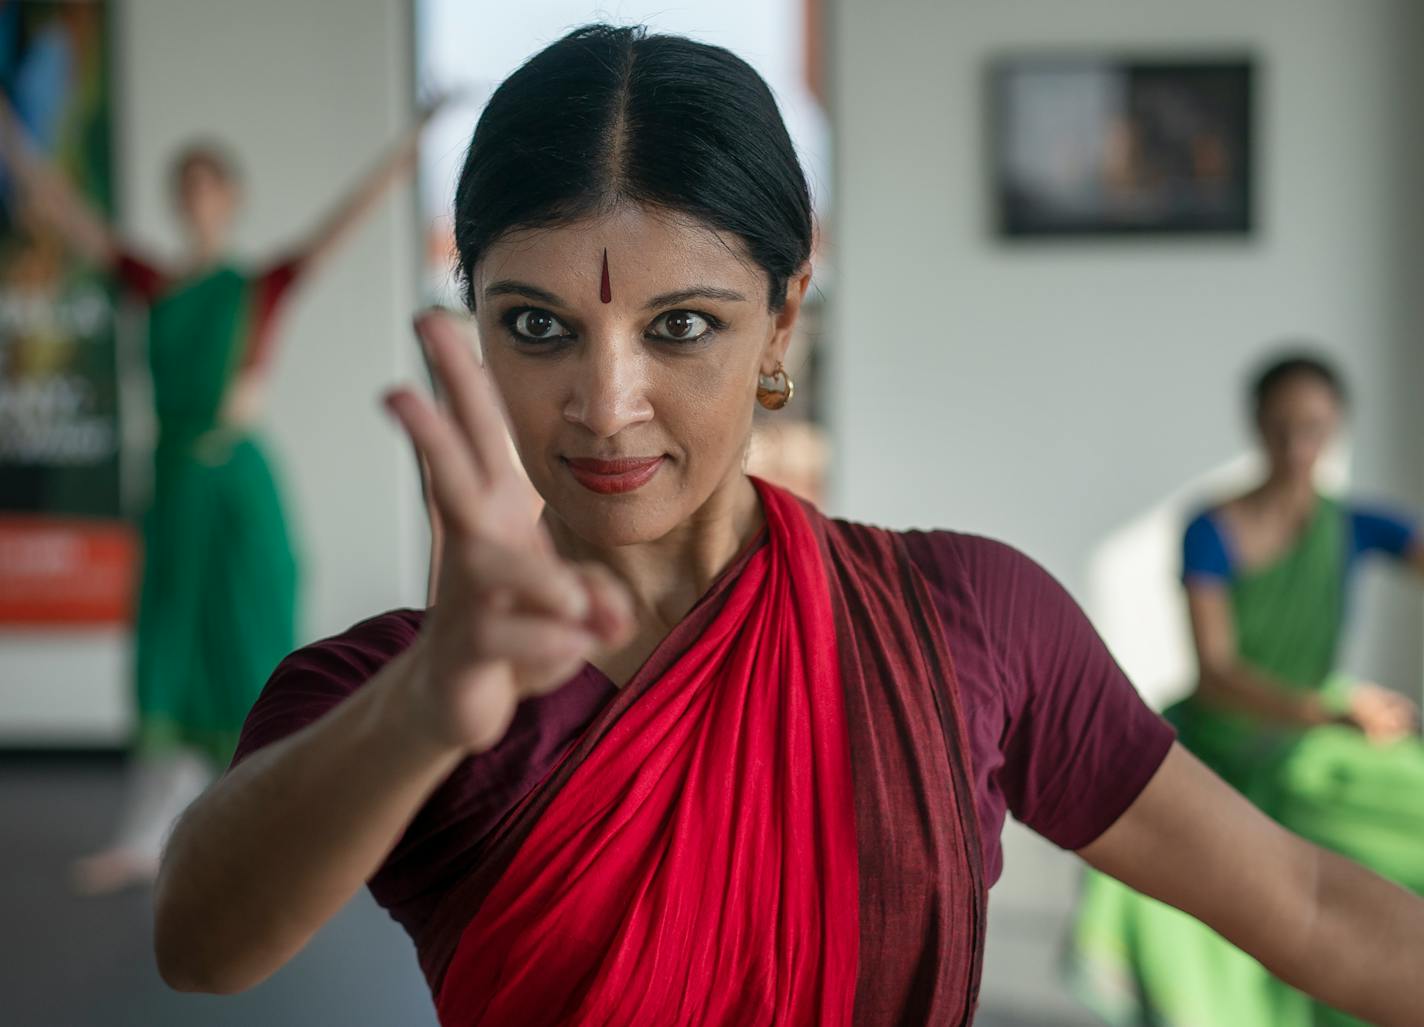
(509, 287)
(701, 292)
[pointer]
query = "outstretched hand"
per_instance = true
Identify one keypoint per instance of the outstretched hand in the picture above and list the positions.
(511, 618)
(431, 104)
(1383, 715)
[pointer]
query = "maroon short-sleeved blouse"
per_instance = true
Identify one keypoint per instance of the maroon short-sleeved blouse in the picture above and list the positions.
(1057, 734)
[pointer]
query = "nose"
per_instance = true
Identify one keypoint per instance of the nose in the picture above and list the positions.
(610, 391)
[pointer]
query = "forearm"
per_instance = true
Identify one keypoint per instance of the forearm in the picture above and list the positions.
(1312, 918)
(50, 196)
(1362, 950)
(398, 161)
(280, 843)
(357, 205)
(1243, 689)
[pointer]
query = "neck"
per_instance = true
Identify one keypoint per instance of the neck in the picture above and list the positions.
(1294, 494)
(666, 576)
(204, 253)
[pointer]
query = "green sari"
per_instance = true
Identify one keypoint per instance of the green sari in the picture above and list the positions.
(217, 603)
(1140, 963)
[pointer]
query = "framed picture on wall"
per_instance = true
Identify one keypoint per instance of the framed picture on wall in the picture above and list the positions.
(1100, 145)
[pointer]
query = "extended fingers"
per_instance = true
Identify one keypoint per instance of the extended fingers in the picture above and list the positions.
(507, 579)
(531, 641)
(467, 388)
(454, 480)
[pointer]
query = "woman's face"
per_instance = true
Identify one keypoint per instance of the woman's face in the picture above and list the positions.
(1297, 422)
(629, 391)
(207, 202)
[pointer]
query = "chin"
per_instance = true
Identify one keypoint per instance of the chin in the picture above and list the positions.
(621, 523)
(609, 521)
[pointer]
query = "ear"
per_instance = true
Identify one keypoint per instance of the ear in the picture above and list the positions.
(784, 322)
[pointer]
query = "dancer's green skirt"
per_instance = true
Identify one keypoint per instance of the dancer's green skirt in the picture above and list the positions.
(1139, 963)
(218, 598)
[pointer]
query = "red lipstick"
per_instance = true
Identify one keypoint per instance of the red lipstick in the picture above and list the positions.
(610, 477)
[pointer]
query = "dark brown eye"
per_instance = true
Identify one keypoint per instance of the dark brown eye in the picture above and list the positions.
(538, 325)
(680, 326)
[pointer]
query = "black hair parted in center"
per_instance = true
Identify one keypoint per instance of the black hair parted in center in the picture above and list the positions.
(1288, 367)
(609, 115)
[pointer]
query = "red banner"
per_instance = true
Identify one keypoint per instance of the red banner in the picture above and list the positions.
(57, 571)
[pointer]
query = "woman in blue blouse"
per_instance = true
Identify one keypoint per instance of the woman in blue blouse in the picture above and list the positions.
(1334, 759)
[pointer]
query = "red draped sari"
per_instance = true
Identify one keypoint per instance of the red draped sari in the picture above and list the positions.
(772, 823)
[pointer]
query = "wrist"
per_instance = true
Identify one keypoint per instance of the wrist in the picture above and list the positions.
(1315, 712)
(403, 712)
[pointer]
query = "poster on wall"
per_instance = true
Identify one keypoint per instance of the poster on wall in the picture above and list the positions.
(66, 555)
(1093, 146)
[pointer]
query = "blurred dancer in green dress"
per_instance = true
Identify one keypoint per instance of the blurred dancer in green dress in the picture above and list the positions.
(217, 604)
(1333, 759)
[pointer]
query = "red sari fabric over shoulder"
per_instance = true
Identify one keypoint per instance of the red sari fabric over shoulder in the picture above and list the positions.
(770, 824)
(700, 866)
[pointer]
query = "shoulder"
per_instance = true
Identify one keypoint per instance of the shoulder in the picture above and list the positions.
(1381, 527)
(277, 276)
(315, 678)
(371, 643)
(983, 590)
(994, 573)
(956, 566)
(1204, 551)
(1204, 525)
(994, 597)
(139, 274)
(1073, 743)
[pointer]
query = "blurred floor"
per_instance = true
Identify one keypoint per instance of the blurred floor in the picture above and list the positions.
(1029, 911)
(69, 962)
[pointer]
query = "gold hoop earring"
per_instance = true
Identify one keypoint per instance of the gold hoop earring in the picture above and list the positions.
(774, 391)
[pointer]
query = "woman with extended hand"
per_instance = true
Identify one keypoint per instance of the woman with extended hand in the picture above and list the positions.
(684, 750)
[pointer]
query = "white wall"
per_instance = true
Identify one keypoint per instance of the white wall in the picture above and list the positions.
(1408, 275)
(1051, 394)
(306, 94)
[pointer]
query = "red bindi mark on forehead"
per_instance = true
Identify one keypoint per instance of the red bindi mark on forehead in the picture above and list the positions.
(605, 287)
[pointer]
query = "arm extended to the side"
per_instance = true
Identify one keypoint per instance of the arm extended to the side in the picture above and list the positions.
(338, 225)
(51, 197)
(1318, 921)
